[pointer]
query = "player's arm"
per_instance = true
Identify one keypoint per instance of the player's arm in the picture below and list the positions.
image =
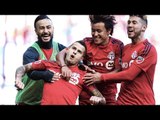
(66, 72)
(20, 71)
(96, 92)
(126, 75)
(31, 55)
(96, 98)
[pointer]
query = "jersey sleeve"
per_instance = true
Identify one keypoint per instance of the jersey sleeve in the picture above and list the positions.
(146, 59)
(30, 55)
(39, 65)
(125, 75)
(40, 71)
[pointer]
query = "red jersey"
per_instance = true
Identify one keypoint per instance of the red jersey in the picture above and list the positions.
(139, 62)
(61, 92)
(103, 59)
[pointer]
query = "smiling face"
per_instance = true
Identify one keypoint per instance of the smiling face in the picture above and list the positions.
(74, 54)
(44, 30)
(99, 33)
(136, 28)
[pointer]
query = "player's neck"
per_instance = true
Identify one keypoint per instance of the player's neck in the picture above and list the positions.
(138, 40)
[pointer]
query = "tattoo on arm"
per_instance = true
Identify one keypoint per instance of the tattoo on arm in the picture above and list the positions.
(20, 71)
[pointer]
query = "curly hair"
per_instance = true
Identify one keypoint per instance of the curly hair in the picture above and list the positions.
(108, 20)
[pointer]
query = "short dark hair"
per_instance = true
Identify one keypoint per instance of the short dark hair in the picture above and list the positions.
(143, 17)
(108, 20)
(40, 17)
(84, 45)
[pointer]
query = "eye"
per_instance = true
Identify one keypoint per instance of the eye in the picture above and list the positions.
(79, 51)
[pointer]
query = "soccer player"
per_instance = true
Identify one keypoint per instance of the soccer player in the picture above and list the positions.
(103, 55)
(61, 91)
(139, 61)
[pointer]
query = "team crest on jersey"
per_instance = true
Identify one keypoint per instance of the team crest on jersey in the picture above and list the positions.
(74, 78)
(111, 55)
(110, 64)
(134, 55)
(139, 59)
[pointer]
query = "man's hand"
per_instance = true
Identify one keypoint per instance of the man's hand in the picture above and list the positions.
(88, 69)
(90, 78)
(20, 71)
(97, 100)
(18, 83)
(56, 76)
(66, 72)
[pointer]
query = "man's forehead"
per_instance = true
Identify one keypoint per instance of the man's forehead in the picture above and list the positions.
(78, 46)
(134, 18)
(44, 21)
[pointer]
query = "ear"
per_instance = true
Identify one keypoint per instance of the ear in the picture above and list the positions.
(108, 32)
(144, 27)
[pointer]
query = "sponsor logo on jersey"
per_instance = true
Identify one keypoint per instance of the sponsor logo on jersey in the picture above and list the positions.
(110, 64)
(125, 65)
(135, 57)
(74, 78)
(131, 61)
(96, 64)
(138, 60)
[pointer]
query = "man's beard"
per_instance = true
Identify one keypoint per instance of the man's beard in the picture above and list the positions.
(46, 45)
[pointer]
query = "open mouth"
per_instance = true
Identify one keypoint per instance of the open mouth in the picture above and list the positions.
(72, 56)
(46, 37)
(130, 30)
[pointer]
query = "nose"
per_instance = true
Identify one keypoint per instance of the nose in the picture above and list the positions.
(95, 33)
(45, 30)
(75, 51)
(130, 24)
